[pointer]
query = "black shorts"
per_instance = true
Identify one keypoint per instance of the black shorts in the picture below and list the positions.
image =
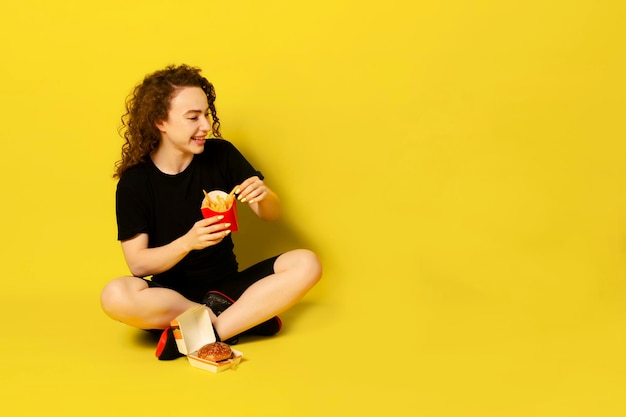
(232, 286)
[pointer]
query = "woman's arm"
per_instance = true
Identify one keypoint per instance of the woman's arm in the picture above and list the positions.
(263, 201)
(143, 261)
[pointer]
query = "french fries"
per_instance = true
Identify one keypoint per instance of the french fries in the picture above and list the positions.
(218, 203)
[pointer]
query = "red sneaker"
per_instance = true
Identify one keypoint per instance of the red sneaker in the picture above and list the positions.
(166, 348)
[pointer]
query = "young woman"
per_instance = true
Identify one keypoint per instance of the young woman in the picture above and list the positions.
(167, 161)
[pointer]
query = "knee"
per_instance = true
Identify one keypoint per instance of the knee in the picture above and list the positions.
(114, 298)
(310, 266)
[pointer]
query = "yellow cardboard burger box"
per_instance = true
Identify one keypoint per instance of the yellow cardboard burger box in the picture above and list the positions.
(192, 330)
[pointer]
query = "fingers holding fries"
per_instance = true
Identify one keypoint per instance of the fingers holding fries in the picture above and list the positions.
(263, 201)
(252, 190)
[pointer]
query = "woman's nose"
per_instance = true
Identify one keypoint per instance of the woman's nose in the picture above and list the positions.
(206, 124)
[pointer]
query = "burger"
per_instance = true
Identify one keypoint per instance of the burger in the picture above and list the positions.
(215, 352)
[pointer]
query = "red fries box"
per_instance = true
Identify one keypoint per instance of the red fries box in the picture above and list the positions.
(192, 330)
(220, 203)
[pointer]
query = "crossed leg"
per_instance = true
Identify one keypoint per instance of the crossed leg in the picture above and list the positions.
(131, 301)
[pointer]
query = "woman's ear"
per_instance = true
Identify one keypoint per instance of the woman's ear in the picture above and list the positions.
(160, 124)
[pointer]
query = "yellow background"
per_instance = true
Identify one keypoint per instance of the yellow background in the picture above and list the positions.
(458, 165)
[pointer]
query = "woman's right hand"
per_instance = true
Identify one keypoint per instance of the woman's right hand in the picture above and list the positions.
(207, 232)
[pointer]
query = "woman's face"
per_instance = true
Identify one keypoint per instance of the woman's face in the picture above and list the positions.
(188, 122)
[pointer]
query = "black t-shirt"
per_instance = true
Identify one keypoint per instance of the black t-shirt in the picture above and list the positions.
(166, 207)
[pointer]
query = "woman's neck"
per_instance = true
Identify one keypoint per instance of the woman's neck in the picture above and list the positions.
(171, 163)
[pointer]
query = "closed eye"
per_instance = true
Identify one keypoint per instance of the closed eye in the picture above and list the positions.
(195, 114)
(206, 115)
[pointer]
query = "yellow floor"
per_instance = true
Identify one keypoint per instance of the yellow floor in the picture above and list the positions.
(63, 357)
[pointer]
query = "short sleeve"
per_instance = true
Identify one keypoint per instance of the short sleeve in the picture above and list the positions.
(131, 206)
(238, 166)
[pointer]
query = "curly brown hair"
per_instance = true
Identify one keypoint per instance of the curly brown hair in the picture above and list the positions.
(149, 103)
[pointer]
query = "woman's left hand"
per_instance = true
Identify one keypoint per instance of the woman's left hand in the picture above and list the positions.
(252, 190)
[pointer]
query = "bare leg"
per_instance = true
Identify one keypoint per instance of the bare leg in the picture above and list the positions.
(296, 272)
(131, 301)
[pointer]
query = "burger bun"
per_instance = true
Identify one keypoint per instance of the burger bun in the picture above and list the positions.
(215, 352)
